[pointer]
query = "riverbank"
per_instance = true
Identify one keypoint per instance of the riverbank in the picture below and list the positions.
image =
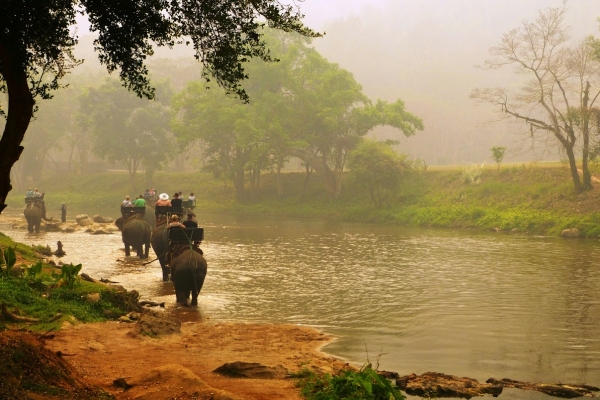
(50, 349)
(526, 199)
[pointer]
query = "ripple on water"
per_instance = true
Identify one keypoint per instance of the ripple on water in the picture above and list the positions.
(464, 303)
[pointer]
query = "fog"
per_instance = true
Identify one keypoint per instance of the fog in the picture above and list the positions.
(425, 52)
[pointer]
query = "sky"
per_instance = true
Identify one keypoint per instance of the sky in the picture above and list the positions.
(425, 52)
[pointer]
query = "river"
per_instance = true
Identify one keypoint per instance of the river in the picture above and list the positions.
(459, 302)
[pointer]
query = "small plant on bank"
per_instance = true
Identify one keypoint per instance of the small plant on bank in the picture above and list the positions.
(8, 259)
(349, 384)
(68, 275)
(43, 250)
(498, 154)
(472, 174)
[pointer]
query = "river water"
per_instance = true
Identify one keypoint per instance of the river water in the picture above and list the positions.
(469, 304)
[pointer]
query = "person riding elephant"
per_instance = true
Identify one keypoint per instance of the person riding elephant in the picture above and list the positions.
(135, 233)
(188, 270)
(34, 213)
(160, 244)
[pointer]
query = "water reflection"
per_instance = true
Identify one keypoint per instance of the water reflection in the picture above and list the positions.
(463, 303)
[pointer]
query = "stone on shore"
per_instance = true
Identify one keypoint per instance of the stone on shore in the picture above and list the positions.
(570, 233)
(83, 220)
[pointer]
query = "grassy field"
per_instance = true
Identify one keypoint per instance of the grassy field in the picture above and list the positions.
(533, 198)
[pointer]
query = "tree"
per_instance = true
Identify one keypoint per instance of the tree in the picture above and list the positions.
(556, 98)
(498, 154)
(376, 166)
(36, 42)
(127, 129)
(303, 106)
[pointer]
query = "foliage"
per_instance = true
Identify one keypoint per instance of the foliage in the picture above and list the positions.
(348, 384)
(498, 154)
(43, 250)
(562, 84)
(68, 275)
(376, 166)
(471, 174)
(127, 129)
(37, 39)
(304, 106)
(8, 259)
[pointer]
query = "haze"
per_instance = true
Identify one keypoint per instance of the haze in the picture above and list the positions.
(425, 52)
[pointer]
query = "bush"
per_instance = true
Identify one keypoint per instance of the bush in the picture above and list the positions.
(349, 384)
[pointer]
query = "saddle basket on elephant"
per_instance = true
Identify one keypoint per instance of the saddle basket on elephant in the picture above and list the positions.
(127, 212)
(167, 211)
(181, 239)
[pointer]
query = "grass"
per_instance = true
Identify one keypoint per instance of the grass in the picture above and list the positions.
(364, 384)
(535, 198)
(52, 297)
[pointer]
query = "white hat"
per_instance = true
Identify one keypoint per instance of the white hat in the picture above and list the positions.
(163, 196)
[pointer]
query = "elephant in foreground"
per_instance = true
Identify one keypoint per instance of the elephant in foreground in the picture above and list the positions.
(188, 271)
(160, 245)
(34, 214)
(135, 233)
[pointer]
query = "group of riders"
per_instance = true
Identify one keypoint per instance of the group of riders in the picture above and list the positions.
(162, 200)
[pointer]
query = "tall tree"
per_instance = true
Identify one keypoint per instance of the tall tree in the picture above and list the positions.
(303, 106)
(560, 88)
(127, 129)
(377, 167)
(36, 39)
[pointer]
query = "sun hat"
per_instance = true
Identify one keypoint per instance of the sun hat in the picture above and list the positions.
(163, 196)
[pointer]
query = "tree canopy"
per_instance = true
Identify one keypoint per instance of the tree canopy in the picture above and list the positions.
(36, 42)
(303, 106)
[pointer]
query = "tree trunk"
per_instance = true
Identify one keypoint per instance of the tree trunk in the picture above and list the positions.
(306, 179)
(279, 186)
(20, 110)
(573, 167)
(587, 177)
(321, 167)
(238, 184)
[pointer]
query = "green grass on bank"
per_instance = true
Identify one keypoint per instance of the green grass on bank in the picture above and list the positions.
(44, 297)
(535, 198)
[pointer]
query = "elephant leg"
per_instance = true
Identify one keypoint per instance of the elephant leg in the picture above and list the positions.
(147, 250)
(165, 272)
(37, 227)
(139, 250)
(127, 251)
(30, 226)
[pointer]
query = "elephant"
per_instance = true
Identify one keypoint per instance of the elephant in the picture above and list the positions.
(160, 245)
(188, 271)
(34, 214)
(135, 233)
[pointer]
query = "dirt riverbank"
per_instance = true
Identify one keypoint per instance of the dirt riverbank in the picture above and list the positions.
(181, 365)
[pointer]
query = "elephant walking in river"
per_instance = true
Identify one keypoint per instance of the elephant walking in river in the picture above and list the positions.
(135, 233)
(188, 271)
(160, 244)
(34, 214)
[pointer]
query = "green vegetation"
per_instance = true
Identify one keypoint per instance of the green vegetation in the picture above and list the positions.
(364, 384)
(533, 198)
(43, 298)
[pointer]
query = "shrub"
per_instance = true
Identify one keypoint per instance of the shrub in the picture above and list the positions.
(365, 384)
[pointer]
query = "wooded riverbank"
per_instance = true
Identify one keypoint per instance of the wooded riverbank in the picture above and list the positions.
(527, 198)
